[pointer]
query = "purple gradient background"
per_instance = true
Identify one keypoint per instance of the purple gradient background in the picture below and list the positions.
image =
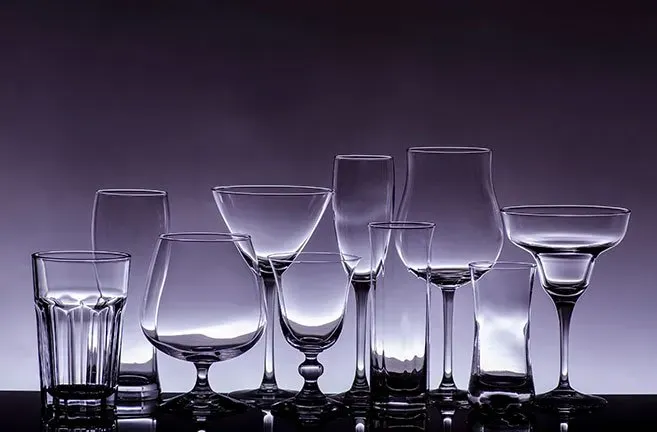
(186, 95)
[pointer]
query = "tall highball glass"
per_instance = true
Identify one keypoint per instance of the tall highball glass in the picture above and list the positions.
(131, 220)
(453, 187)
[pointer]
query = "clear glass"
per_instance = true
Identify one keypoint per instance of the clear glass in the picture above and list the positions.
(565, 242)
(501, 376)
(401, 254)
(131, 220)
(279, 219)
(204, 304)
(104, 423)
(363, 192)
(79, 298)
(453, 187)
(313, 290)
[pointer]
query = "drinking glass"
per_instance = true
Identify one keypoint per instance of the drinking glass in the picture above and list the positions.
(453, 187)
(400, 257)
(565, 241)
(203, 305)
(313, 288)
(131, 220)
(279, 219)
(79, 298)
(501, 376)
(363, 192)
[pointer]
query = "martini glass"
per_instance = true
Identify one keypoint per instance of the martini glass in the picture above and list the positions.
(280, 220)
(565, 241)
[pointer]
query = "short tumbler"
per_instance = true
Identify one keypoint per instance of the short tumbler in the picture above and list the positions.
(79, 298)
(501, 371)
(400, 301)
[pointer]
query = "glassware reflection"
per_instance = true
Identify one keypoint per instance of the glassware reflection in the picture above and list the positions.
(510, 421)
(104, 423)
(137, 424)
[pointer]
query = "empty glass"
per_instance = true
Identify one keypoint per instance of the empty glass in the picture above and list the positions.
(203, 305)
(313, 290)
(501, 374)
(79, 298)
(279, 219)
(363, 192)
(131, 220)
(565, 241)
(453, 188)
(401, 253)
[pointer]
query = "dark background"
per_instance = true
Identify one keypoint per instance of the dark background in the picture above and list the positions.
(191, 94)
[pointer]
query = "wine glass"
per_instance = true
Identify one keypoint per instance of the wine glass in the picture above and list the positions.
(313, 290)
(131, 220)
(204, 304)
(363, 192)
(279, 219)
(453, 187)
(565, 241)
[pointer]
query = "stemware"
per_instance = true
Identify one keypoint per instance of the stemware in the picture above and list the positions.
(131, 220)
(279, 219)
(204, 304)
(565, 241)
(313, 290)
(453, 188)
(363, 192)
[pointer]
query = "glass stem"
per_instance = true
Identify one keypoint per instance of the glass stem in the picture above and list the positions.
(269, 377)
(361, 290)
(565, 312)
(310, 370)
(448, 317)
(202, 386)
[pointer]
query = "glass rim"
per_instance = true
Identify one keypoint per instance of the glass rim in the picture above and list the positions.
(204, 237)
(365, 157)
(82, 256)
(501, 265)
(450, 150)
(302, 258)
(132, 192)
(401, 225)
(272, 190)
(565, 210)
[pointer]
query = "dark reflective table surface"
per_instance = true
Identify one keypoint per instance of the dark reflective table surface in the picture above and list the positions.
(20, 411)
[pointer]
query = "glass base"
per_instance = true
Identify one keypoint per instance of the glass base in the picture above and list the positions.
(133, 388)
(568, 400)
(449, 396)
(203, 406)
(262, 397)
(310, 412)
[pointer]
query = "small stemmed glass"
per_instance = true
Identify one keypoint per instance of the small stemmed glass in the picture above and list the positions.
(312, 290)
(363, 192)
(565, 241)
(203, 304)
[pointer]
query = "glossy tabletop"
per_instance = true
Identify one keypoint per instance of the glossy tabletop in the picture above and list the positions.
(20, 411)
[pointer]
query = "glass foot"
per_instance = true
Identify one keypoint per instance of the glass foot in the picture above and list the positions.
(568, 400)
(310, 412)
(449, 396)
(262, 397)
(204, 406)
